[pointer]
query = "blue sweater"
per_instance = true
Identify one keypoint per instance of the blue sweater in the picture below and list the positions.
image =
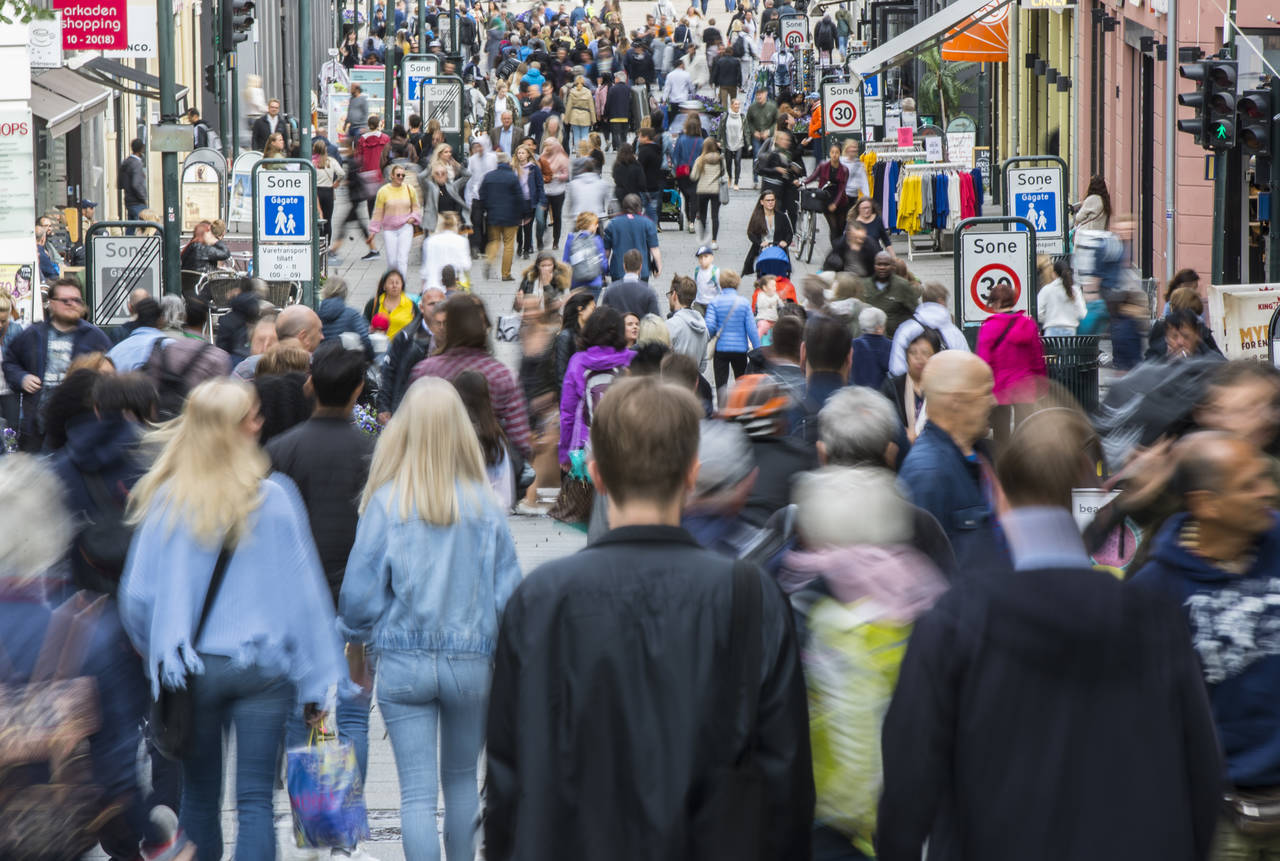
(1233, 622)
(938, 477)
(732, 314)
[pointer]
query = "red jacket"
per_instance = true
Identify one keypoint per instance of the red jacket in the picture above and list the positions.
(1010, 344)
(369, 151)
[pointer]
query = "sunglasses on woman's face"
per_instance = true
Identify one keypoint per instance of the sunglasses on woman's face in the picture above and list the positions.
(398, 175)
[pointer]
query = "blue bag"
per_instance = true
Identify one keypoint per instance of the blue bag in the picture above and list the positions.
(326, 795)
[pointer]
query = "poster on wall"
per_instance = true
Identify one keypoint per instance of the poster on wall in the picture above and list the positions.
(17, 174)
(1239, 315)
(16, 280)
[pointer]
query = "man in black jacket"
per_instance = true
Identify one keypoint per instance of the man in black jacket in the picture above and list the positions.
(726, 73)
(410, 346)
(133, 180)
(1049, 711)
(631, 295)
(503, 204)
(639, 64)
(270, 123)
(328, 459)
(616, 704)
(617, 109)
(649, 154)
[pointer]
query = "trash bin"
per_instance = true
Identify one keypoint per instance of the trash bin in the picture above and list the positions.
(1072, 362)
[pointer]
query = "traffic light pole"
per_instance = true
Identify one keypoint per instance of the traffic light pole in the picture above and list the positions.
(304, 79)
(169, 160)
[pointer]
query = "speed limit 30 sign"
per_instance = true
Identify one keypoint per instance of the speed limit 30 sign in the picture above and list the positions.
(840, 107)
(988, 260)
(795, 31)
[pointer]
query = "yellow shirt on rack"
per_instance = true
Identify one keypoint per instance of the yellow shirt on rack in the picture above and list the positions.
(869, 162)
(910, 204)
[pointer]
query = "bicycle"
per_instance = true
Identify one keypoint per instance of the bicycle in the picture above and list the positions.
(813, 201)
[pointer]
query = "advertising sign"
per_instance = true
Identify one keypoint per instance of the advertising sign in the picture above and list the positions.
(143, 23)
(988, 259)
(1239, 315)
(94, 25)
(44, 43)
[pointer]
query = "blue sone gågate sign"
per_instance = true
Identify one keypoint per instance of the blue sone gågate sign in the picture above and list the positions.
(284, 217)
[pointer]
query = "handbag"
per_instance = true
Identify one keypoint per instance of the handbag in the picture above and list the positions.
(1254, 812)
(173, 711)
(729, 806)
(724, 188)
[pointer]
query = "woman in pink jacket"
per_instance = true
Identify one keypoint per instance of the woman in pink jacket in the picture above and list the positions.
(1009, 342)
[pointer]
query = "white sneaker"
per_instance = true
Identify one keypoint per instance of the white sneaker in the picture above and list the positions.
(691, 227)
(715, 246)
(524, 508)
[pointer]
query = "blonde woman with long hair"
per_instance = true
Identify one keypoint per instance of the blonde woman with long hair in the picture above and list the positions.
(432, 567)
(268, 641)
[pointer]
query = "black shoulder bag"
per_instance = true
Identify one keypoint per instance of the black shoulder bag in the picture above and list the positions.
(173, 711)
(729, 817)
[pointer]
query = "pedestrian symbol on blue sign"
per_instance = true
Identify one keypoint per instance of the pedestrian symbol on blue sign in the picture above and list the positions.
(1040, 208)
(871, 87)
(285, 215)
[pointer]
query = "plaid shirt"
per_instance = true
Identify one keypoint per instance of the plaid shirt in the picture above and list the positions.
(504, 390)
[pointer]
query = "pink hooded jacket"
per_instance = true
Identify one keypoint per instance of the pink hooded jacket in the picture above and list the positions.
(1010, 344)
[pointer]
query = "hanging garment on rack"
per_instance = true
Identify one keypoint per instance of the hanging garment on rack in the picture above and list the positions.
(876, 178)
(941, 208)
(869, 161)
(953, 198)
(926, 203)
(978, 191)
(892, 182)
(907, 205)
(967, 209)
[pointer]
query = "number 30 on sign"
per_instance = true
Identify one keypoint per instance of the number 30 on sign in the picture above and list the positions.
(989, 260)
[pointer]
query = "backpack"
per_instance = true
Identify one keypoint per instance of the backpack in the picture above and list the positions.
(104, 541)
(172, 385)
(594, 385)
(584, 257)
(51, 809)
(739, 47)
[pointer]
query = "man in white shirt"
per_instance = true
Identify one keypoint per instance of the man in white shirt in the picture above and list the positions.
(678, 88)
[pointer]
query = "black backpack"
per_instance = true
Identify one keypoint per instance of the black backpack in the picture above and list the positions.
(172, 384)
(103, 542)
(739, 47)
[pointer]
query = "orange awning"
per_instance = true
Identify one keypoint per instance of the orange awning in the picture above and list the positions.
(984, 38)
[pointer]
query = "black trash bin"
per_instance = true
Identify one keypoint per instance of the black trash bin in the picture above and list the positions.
(1072, 362)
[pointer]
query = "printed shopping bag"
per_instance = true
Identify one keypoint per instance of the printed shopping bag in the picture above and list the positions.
(326, 795)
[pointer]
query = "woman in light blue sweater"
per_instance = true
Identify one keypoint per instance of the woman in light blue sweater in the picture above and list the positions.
(730, 317)
(269, 641)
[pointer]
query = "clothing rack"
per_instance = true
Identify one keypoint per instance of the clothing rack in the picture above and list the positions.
(899, 154)
(934, 235)
(877, 146)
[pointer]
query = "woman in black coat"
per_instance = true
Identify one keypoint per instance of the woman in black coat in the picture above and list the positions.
(628, 175)
(769, 225)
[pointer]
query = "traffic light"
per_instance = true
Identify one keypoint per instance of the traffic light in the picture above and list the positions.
(211, 77)
(1194, 72)
(1220, 103)
(1255, 111)
(237, 21)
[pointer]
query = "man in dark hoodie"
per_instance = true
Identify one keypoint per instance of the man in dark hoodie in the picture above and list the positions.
(1220, 559)
(234, 327)
(1045, 710)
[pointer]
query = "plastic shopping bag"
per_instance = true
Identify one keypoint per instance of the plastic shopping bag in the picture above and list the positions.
(326, 795)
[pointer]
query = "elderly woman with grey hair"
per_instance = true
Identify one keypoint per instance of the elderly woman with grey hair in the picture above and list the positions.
(173, 314)
(84, 637)
(340, 321)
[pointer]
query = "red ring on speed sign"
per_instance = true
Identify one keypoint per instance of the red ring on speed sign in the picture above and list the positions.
(795, 38)
(976, 281)
(831, 114)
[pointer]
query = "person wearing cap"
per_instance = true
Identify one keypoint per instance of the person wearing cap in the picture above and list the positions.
(87, 209)
(761, 406)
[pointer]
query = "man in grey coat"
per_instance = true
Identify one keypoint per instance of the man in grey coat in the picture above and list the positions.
(688, 329)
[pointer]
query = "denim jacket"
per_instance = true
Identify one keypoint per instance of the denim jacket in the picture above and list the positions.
(414, 586)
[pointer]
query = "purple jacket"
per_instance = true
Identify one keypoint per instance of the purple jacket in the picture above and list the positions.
(574, 430)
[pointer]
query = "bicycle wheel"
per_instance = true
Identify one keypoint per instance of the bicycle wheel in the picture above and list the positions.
(810, 236)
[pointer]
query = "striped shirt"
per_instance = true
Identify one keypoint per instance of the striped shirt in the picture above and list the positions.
(504, 390)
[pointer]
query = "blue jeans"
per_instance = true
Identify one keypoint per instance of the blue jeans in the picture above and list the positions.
(651, 205)
(577, 134)
(133, 212)
(1059, 331)
(429, 699)
(257, 704)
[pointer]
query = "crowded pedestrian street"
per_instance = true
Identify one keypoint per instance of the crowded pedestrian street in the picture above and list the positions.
(803, 430)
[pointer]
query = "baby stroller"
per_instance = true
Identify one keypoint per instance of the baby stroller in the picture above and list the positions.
(774, 260)
(670, 207)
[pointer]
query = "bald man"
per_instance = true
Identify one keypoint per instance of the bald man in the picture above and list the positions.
(1220, 560)
(944, 472)
(296, 324)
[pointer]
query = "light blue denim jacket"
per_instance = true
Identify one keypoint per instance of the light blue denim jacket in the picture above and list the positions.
(412, 586)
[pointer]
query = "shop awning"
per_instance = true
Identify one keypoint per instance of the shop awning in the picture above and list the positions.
(117, 75)
(957, 18)
(985, 41)
(64, 100)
